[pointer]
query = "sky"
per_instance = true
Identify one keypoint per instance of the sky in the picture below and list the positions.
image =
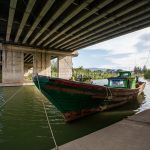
(123, 52)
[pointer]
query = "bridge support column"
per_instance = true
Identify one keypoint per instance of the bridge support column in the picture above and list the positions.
(12, 70)
(65, 67)
(41, 64)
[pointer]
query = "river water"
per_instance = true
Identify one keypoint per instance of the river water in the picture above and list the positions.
(23, 124)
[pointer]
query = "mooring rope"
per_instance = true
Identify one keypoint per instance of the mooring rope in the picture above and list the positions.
(10, 97)
(56, 147)
(108, 91)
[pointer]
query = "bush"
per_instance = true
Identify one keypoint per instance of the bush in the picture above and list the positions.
(147, 74)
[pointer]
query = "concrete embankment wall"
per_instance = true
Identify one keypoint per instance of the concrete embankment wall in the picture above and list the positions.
(132, 133)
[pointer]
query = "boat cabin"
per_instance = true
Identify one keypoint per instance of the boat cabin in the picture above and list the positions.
(124, 80)
(124, 74)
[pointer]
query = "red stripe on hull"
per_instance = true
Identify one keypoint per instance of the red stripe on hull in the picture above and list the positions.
(70, 116)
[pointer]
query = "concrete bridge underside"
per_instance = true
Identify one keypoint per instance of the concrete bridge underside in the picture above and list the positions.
(60, 27)
(68, 25)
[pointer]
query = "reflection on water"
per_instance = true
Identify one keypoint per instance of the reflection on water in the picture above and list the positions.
(23, 123)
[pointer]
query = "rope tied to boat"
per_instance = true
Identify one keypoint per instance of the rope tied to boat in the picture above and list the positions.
(50, 128)
(108, 91)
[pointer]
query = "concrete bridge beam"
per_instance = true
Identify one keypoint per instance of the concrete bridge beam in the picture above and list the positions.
(16, 61)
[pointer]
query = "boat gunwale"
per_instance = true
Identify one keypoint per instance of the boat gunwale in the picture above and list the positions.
(87, 85)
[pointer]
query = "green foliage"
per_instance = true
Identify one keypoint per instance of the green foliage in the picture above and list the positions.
(29, 77)
(147, 74)
(54, 68)
(142, 71)
(87, 74)
(139, 70)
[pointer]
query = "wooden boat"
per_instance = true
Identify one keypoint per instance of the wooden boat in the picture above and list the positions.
(76, 100)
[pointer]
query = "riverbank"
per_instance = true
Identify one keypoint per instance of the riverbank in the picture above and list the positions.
(131, 133)
(16, 84)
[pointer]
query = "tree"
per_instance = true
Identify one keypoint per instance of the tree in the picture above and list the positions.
(135, 70)
(144, 69)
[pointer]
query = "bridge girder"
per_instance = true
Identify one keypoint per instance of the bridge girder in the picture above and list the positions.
(68, 25)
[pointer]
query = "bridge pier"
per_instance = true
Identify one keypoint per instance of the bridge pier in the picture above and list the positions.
(12, 67)
(41, 64)
(65, 67)
(15, 63)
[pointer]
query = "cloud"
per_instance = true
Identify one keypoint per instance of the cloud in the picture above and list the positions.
(122, 52)
(144, 43)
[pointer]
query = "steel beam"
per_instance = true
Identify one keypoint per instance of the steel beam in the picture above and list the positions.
(102, 4)
(12, 9)
(51, 20)
(25, 18)
(38, 19)
(69, 17)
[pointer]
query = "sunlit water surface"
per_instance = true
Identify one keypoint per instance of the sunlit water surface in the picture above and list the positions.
(23, 124)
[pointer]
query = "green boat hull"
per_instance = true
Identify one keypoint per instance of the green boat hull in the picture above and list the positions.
(76, 100)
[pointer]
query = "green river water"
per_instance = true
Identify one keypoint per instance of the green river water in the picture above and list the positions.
(23, 124)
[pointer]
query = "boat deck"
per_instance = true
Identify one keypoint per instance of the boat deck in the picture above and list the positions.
(132, 133)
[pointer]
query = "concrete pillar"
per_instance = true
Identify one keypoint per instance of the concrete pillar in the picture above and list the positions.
(12, 67)
(41, 64)
(65, 67)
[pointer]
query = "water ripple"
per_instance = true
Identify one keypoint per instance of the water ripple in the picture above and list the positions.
(23, 123)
